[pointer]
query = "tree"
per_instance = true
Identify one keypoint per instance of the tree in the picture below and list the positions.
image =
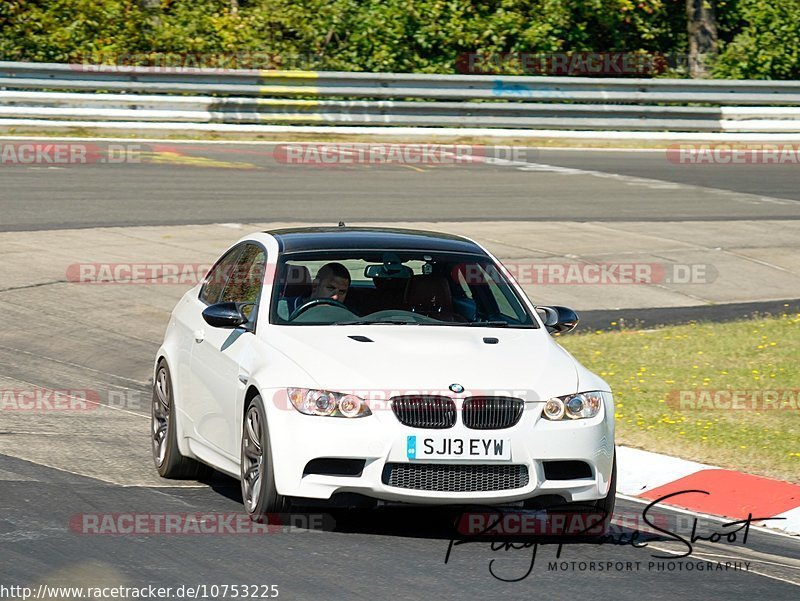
(702, 29)
(151, 8)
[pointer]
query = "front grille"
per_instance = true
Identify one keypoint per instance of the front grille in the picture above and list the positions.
(492, 413)
(455, 478)
(436, 412)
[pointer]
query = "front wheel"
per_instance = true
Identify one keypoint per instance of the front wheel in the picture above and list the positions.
(601, 507)
(259, 493)
(607, 503)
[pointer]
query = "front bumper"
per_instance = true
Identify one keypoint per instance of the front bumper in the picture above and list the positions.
(380, 439)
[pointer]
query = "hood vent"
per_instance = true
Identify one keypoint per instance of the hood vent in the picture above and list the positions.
(361, 339)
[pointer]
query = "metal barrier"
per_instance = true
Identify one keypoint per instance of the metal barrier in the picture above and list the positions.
(337, 98)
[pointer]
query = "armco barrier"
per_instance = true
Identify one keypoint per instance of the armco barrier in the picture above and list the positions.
(60, 92)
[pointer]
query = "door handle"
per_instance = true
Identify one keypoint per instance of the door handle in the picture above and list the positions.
(199, 335)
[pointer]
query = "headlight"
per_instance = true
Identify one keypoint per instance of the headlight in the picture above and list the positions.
(574, 406)
(554, 409)
(327, 403)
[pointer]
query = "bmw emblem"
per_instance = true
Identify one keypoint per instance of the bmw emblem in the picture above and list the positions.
(457, 388)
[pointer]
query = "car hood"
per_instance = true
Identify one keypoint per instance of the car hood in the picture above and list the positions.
(428, 359)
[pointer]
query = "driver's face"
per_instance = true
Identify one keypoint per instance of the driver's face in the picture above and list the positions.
(332, 287)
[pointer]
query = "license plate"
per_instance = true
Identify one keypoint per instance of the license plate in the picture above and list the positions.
(441, 447)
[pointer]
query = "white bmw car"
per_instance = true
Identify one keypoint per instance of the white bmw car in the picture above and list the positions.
(387, 364)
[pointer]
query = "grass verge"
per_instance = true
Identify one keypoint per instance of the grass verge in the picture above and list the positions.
(200, 136)
(719, 393)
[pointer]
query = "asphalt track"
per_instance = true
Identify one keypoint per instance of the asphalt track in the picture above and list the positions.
(56, 467)
(388, 553)
(655, 316)
(176, 184)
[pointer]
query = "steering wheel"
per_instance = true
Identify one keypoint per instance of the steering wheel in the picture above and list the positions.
(314, 303)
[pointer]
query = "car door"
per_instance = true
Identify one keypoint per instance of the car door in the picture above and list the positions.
(220, 356)
(188, 321)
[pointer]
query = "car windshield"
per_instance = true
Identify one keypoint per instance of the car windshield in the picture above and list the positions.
(395, 288)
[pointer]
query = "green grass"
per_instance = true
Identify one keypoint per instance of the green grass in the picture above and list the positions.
(647, 368)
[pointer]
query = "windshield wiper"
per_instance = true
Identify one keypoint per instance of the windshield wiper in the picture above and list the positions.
(365, 322)
(488, 324)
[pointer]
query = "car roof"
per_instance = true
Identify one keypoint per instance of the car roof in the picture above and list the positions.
(369, 238)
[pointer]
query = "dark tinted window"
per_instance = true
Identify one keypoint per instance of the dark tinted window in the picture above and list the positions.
(244, 283)
(395, 287)
(218, 276)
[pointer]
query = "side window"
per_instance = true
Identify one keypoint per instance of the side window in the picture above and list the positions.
(247, 276)
(218, 276)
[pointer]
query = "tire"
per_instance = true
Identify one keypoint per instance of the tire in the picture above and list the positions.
(607, 503)
(163, 438)
(259, 494)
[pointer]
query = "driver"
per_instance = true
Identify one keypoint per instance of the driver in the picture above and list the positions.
(332, 281)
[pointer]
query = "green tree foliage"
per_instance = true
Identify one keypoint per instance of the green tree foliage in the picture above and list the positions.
(759, 39)
(765, 44)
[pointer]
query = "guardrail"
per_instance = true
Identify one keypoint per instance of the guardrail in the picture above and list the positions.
(206, 109)
(148, 94)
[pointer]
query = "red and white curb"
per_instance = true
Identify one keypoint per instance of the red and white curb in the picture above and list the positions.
(731, 494)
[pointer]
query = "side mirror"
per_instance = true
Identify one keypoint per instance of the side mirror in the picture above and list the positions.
(558, 319)
(224, 315)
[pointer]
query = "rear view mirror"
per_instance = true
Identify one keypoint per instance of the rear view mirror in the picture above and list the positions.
(373, 271)
(388, 271)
